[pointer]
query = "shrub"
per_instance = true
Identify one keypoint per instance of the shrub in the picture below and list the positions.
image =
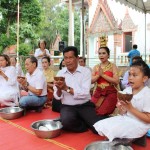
(25, 49)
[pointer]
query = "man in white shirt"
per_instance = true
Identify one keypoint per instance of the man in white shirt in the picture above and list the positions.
(35, 84)
(77, 111)
(82, 62)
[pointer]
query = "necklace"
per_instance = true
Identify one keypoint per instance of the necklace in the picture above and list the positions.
(106, 67)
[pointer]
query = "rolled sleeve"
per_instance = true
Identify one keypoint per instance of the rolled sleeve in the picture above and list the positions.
(55, 94)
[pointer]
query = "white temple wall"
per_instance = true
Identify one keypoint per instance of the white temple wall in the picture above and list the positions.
(92, 9)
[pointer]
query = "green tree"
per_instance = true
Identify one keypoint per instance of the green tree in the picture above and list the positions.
(5, 41)
(30, 18)
(62, 25)
(24, 49)
(55, 19)
(50, 11)
(27, 31)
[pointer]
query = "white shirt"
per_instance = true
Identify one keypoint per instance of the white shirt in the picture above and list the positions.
(80, 81)
(39, 52)
(38, 81)
(125, 81)
(141, 101)
(10, 72)
(147, 83)
(8, 88)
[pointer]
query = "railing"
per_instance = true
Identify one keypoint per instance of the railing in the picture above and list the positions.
(120, 60)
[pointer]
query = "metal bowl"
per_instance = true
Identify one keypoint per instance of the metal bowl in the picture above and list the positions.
(106, 145)
(11, 112)
(47, 129)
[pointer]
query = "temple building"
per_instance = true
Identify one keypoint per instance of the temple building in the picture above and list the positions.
(114, 25)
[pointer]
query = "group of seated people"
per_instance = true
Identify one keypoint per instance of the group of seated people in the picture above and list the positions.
(79, 109)
(34, 83)
(38, 81)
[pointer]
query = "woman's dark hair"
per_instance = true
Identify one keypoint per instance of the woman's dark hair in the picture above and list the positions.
(137, 58)
(106, 48)
(40, 42)
(47, 58)
(143, 67)
(71, 48)
(33, 60)
(6, 57)
(61, 65)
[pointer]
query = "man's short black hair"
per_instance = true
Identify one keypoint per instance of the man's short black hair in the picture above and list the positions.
(71, 48)
(33, 60)
(134, 46)
(84, 59)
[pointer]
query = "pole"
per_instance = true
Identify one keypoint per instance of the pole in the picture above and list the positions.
(71, 25)
(145, 36)
(83, 50)
(18, 33)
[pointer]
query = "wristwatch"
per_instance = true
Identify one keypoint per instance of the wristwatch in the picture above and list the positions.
(68, 90)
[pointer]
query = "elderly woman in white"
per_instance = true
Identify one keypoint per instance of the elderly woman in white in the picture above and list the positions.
(8, 83)
(41, 52)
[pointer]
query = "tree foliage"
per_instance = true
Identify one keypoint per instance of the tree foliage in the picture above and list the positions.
(39, 19)
(29, 19)
(49, 14)
(24, 49)
(56, 20)
(62, 25)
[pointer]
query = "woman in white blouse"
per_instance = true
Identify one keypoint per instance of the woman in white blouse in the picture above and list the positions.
(8, 83)
(41, 52)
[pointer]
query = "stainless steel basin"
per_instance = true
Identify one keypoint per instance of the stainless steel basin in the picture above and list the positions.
(11, 112)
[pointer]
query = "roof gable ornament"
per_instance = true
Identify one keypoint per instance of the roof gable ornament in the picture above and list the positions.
(103, 22)
(127, 23)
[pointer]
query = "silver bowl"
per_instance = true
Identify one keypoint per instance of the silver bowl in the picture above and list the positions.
(11, 112)
(47, 129)
(106, 145)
